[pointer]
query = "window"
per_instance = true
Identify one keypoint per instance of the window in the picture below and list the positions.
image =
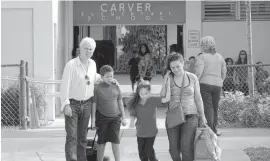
(234, 10)
(260, 10)
(219, 10)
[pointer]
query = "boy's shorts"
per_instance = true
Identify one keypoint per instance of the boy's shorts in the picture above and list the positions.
(108, 128)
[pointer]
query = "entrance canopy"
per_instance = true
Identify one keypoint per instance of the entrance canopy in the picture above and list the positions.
(127, 12)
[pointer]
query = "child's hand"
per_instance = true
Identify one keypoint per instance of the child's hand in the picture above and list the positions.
(124, 122)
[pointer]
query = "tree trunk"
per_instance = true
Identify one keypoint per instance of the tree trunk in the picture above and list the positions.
(249, 55)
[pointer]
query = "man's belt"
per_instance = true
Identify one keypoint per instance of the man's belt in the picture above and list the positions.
(73, 101)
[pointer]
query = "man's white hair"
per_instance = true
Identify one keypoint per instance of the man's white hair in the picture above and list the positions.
(88, 41)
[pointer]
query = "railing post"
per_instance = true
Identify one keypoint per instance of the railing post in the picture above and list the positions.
(23, 100)
(27, 96)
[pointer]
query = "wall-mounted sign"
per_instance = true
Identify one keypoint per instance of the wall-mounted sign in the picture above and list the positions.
(193, 39)
(128, 12)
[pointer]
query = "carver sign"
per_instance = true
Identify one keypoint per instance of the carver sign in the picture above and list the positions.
(129, 12)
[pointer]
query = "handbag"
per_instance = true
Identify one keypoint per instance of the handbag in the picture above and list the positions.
(176, 116)
(206, 145)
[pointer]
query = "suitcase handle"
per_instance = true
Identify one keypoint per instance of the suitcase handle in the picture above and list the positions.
(90, 128)
(96, 135)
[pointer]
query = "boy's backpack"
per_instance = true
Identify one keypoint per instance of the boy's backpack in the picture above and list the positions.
(206, 146)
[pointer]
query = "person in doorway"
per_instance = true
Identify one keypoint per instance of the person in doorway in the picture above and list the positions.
(77, 88)
(145, 65)
(181, 137)
(242, 73)
(108, 113)
(75, 52)
(211, 71)
(133, 67)
(142, 108)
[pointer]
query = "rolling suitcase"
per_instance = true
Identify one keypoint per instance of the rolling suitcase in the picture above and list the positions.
(91, 149)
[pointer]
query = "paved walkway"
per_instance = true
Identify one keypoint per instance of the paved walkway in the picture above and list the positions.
(49, 144)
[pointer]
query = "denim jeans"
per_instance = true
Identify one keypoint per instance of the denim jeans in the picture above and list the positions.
(76, 129)
(181, 139)
(146, 149)
(211, 96)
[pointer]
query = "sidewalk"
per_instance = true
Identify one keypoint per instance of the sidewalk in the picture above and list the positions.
(49, 144)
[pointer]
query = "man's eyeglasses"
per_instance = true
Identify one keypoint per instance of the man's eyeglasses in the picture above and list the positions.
(87, 79)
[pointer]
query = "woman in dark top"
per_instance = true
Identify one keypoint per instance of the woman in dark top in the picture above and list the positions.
(228, 84)
(242, 73)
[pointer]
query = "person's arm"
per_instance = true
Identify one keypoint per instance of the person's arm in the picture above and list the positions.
(164, 84)
(199, 67)
(93, 114)
(199, 101)
(65, 86)
(97, 78)
(94, 108)
(132, 121)
(121, 105)
(223, 69)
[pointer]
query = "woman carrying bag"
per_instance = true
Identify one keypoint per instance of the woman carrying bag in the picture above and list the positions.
(182, 92)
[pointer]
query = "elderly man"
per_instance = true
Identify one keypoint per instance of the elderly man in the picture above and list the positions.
(77, 88)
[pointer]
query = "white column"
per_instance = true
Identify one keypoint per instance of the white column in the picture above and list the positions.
(192, 26)
(69, 28)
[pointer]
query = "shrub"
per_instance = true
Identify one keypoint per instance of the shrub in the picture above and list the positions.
(249, 111)
(10, 105)
(229, 109)
(258, 153)
(257, 112)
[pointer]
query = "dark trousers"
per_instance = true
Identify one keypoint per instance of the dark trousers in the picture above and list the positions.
(146, 148)
(211, 96)
(181, 139)
(76, 129)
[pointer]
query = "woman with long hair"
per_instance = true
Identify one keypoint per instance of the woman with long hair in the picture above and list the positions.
(145, 65)
(181, 137)
(211, 72)
(142, 108)
(242, 73)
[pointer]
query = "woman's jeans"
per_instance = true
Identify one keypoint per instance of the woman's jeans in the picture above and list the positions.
(211, 96)
(76, 129)
(181, 139)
